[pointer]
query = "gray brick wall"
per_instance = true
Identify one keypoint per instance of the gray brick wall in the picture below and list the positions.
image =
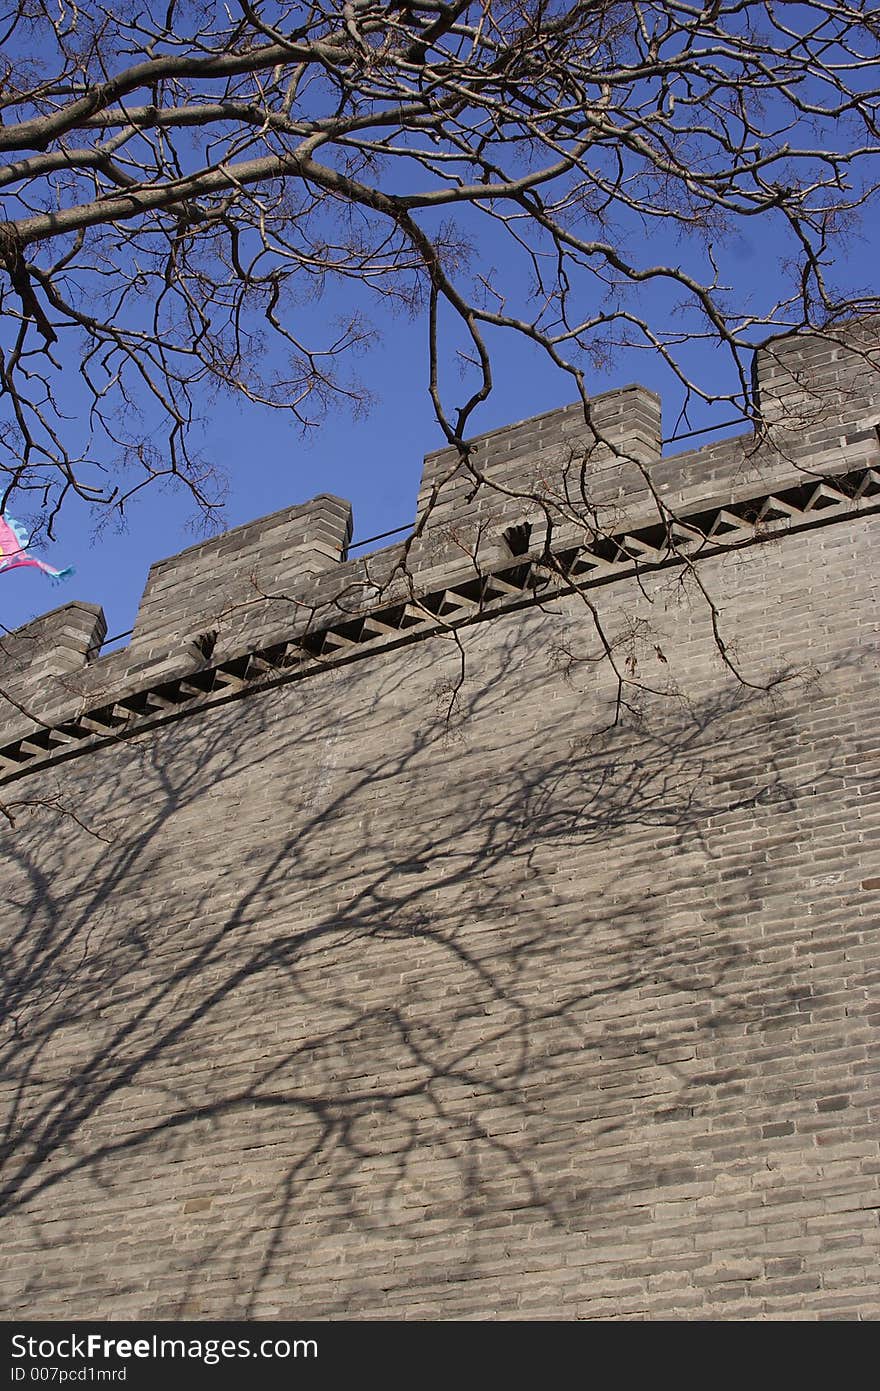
(815, 392)
(52, 645)
(213, 582)
(414, 989)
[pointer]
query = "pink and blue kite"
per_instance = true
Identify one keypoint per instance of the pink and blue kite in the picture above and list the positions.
(14, 552)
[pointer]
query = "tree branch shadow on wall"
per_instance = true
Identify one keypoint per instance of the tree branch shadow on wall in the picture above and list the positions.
(321, 1027)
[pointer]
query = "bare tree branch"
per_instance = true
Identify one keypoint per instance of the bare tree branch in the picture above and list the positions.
(181, 181)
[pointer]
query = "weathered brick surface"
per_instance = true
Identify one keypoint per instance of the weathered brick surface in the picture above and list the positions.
(543, 454)
(210, 582)
(52, 645)
(397, 992)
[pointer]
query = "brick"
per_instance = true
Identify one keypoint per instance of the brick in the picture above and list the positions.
(332, 1001)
